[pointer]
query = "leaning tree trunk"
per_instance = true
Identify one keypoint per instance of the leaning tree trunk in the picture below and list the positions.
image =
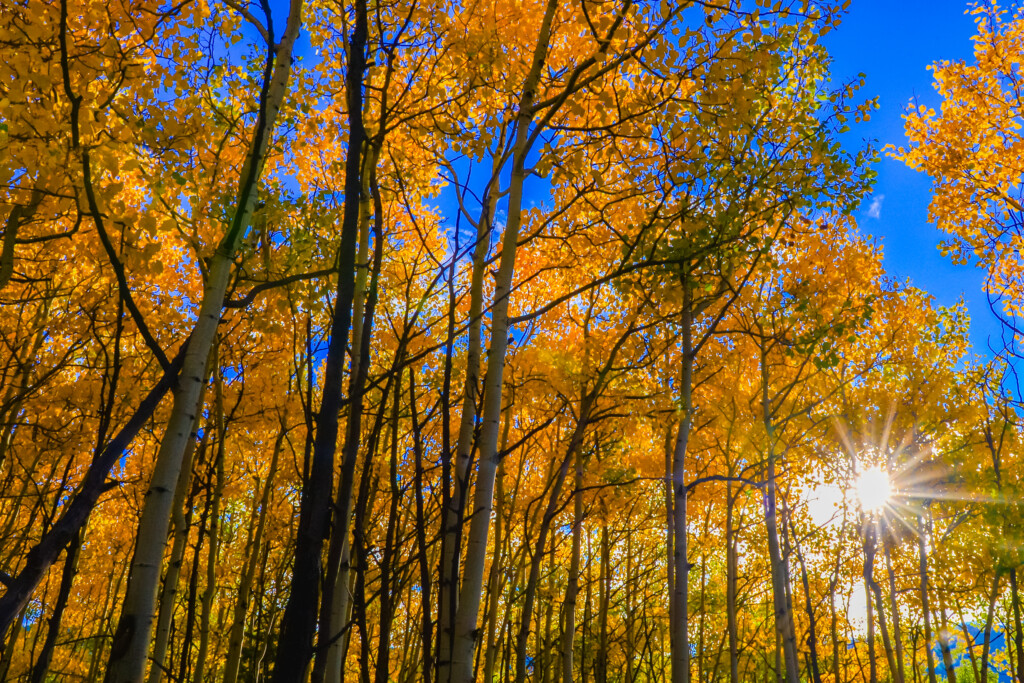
(947, 656)
(181, 524)
(132, 638)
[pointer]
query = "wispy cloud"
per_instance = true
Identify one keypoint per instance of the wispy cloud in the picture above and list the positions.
(875, 210)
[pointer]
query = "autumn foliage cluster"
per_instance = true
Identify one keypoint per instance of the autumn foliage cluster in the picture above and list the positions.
(407, 340)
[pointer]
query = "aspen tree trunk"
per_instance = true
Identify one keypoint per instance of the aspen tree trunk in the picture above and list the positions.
(298, 624)
(988, 626)
(365, 502)
(897, 636)
(471, 589)
(42, 665)
(236, 637)
(923, 571)
(914, 668)
(779, 671)
(181, 522)
(603, 602)
(630, 651)
(1018, 631)
(427, 627)
(947, 656)
(875, 591)
(193, 590)
(132, 639)
(588, 614)
(670, 559)
(214, 532)
(869, 569)
(544, 649)
(812, 631)
(494, 583)
(702, 607)
(731, 572)
(337, 597)
(529, 595)
(387, 598)
(834, 634)
(679, 608)
(783, 609)
(455, 502)
(1011, 654)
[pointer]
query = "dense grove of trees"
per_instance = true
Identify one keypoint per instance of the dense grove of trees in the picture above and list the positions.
(401, 340)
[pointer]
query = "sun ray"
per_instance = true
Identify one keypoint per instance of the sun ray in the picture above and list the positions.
(873, 489)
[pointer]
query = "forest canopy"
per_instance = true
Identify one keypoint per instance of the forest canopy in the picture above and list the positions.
(496, 340)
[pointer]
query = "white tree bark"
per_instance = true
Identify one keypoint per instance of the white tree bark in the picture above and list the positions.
(132, 638)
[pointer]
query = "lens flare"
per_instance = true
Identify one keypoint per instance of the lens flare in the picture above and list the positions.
(873, 489)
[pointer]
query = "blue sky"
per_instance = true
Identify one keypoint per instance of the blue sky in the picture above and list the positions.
(892, 42)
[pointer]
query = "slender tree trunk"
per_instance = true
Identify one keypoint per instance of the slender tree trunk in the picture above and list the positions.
(923, 571)
(572, 589)
(988, 626)
(1018, 630)
(539, 548)
(629, 655)
(603, 602)
(427, 627)
(544, 651)
(947, 656)
(182, 522)
(298, 624)
(236, 637)
(455, 502)
(495, 584)
(869, 569)
(336, 599)
(193, 590)
(42, 664)
(387, 599)
(897, 636)
(731, 578)
(890, 656)
(783, 609)
(702, 607)
(679, 608)
(834, 631)
(588, 616)
(471, 589)
(132, 639)
(812, 628)
(213, 548)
